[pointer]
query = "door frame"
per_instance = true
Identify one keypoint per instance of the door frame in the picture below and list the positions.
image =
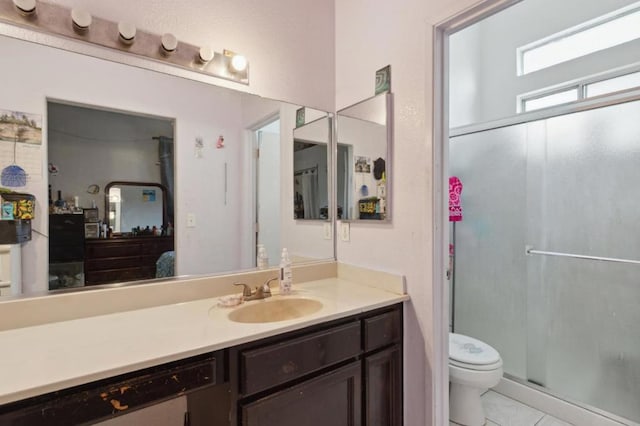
(440, 163)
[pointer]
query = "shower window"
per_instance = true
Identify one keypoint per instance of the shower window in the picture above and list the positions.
(602, 33)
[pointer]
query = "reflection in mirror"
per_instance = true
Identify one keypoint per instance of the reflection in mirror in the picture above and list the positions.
(310, 177)
(136, 208)
(215, 219)
(363, 160)
(87, 149)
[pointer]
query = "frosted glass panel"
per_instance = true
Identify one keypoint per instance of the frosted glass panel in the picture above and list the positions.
(490, 279)
(567, 184)
(591, 338)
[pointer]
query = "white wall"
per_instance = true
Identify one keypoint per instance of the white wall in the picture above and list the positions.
(484, 84)
(289, 43)
(369, 35)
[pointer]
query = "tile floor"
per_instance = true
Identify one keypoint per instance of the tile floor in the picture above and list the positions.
(503, 411)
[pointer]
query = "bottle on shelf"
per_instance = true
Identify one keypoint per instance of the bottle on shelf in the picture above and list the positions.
(262, 260)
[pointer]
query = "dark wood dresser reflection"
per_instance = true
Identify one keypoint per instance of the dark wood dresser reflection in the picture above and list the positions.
(114, 260)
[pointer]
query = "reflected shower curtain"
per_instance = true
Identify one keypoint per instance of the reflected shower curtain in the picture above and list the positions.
(165, 153)
(309, 183)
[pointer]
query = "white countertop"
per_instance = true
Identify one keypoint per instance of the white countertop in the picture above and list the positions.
(49, 357)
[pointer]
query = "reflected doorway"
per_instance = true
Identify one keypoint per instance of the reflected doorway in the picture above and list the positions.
(268, 182)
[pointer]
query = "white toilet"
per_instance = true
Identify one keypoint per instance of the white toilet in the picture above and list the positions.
(474, 367)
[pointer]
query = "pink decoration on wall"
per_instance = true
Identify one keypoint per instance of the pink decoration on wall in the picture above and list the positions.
(455, 191)
(220, 143)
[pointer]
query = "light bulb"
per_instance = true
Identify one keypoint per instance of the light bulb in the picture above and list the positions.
(206, 54)
(169, 42)
(239, 63)
(127, 32)
(81, 19)
(25, 7)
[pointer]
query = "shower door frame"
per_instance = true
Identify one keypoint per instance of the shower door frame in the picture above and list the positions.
(440, 165)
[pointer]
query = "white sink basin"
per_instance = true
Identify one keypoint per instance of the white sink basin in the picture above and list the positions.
(275, 309)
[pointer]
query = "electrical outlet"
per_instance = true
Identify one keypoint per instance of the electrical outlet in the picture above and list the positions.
(191, 220)
(326, 231)
(345, 234)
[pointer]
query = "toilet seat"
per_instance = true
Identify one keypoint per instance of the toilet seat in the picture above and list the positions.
(467, 352)
(475, 367)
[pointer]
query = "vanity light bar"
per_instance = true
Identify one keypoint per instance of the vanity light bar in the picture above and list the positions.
(78, 24)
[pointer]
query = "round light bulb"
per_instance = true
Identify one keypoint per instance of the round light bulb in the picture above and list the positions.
(81, 18)
(127, 32)
(25, 7)
(239, 63)
(206, 54)
(169, 42)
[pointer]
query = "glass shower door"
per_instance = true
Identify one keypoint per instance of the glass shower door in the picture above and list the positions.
(583, 316)
(568, 184)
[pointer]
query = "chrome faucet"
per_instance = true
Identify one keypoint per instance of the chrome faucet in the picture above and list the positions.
(261, 292)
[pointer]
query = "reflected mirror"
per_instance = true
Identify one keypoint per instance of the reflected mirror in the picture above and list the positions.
(216, 225)
(363, 160)
(310, 176)
(136, 208)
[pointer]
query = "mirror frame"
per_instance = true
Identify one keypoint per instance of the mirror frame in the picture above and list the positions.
(108, 187)
(388, 161)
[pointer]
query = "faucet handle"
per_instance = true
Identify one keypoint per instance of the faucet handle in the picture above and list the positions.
(265, 287)
(246, 291)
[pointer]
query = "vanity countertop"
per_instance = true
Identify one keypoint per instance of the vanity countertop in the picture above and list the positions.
(49, 357)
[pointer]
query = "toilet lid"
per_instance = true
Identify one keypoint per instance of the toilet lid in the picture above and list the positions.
(468, 350)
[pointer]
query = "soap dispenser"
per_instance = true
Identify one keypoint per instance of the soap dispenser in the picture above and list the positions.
(285, 273)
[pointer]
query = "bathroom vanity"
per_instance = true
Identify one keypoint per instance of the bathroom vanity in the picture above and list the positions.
(341, 365)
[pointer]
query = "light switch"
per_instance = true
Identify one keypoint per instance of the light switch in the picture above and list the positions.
(326, 231)
(191, 220)
(345, 234)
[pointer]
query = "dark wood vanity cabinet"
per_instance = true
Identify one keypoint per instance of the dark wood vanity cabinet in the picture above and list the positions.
(348, 372)
(112, 260)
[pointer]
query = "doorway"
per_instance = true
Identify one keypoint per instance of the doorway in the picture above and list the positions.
(526, 301)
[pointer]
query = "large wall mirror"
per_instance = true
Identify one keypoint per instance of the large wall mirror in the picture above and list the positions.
(191, 142)
(364, 133)
(311, 144)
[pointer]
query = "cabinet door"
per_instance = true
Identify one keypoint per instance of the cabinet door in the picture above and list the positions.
(383, 388)
(332, 399)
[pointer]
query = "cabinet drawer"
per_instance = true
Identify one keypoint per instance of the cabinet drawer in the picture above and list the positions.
(112, 263)
(275, 364)
(382, 330)
(124, 394)
(332, 399)
(97, 250)
(157, 246)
